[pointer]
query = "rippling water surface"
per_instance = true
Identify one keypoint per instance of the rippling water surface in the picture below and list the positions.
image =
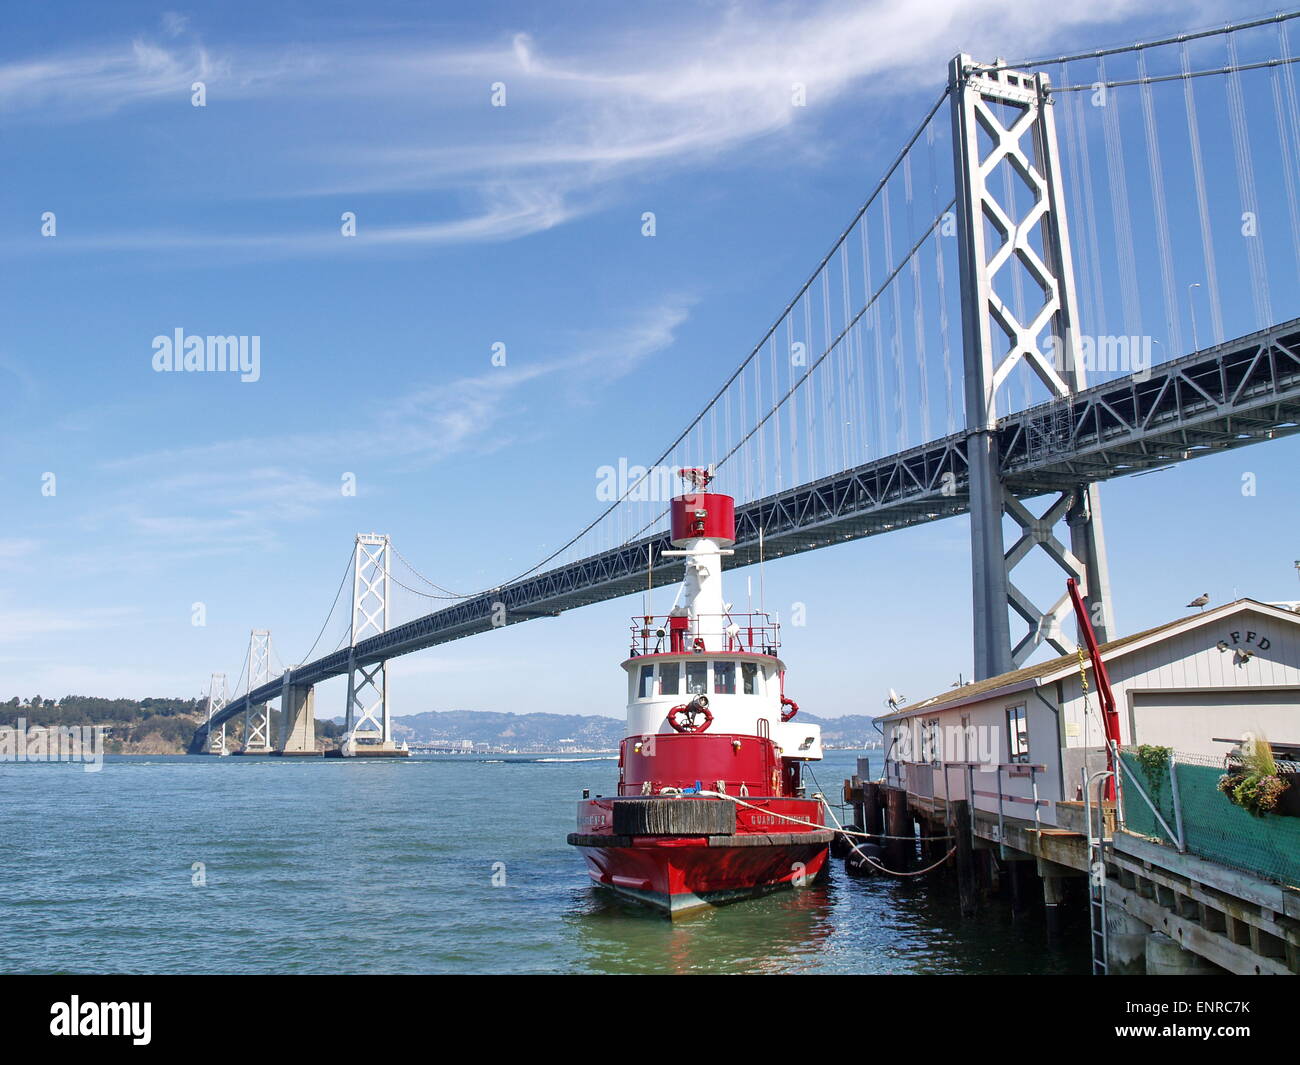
(388, 866)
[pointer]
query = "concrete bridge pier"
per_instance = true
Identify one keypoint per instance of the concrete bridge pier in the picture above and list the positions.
(298, 721)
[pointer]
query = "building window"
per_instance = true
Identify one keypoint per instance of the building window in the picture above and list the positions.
(697, 678)
(1017, 734)
(724, 678)
(670, 678)
(749, 674)
(930, 740)
(647, 685)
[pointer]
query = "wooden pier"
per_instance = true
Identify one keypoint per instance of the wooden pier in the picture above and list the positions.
(1165, 911)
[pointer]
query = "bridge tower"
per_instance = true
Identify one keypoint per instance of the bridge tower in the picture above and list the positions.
(368, 731)
(217, 699)
(257, 719)
(998, 235)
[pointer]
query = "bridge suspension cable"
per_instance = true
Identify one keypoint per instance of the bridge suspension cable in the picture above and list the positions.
(1231, 68)
(447, 593)
(333, 606)
(1286, 111)
(1179, 38)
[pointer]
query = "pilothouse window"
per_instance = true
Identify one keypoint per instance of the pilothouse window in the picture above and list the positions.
(724, 678)
(697, 678)
(670, 678)
(646, 686)
(749, 675)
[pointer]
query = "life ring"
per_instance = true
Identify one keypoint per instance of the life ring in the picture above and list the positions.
(696, 713)
(788, 715)
(698, 645)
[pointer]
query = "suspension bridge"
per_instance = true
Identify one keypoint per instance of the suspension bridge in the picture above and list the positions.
(1077, 268)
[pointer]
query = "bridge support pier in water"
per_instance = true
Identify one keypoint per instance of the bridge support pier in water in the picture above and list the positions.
(298, 720)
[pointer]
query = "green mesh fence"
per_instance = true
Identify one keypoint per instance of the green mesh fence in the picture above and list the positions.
(1213, 827)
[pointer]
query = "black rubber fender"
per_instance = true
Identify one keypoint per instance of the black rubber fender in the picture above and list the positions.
(856, 864)
(842, 844)
(674, 817)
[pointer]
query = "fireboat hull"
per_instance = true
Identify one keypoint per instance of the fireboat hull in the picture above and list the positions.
(683, 875)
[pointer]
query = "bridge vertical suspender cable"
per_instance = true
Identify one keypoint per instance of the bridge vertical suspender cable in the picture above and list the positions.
(848, 372)
(1202, 205)
(826, 413)
(1287, 113)
(896, 336)
(1246, 186)
(1173, 320)
(918, 309)
(945, 340)
(878, 340)
(808, 385)
(1121, 218)
(1089, 213)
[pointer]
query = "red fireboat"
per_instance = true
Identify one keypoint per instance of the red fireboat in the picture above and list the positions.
(711, 807)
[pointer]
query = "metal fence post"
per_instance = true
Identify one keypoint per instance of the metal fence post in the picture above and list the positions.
(1177, 801)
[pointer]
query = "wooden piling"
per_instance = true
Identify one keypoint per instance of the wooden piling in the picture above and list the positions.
(871, 818)
(1019, 900)
(898, 826)
(959, 828)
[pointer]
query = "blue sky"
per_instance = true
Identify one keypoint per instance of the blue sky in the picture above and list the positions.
(477, 225)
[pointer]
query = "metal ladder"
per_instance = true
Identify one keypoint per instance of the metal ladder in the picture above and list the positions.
(1098, 939)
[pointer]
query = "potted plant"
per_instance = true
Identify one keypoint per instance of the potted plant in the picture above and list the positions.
(1256, 784)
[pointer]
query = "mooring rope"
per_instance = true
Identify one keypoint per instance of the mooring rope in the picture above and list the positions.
(872, 861)
(844, 831)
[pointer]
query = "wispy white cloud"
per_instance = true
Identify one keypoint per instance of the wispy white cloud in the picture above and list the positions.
(228, 499)
(21, 624)
(583, 114)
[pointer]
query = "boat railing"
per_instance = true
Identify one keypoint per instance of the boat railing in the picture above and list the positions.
(732, 633)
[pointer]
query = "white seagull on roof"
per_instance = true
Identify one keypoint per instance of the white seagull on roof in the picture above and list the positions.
(1200, 601)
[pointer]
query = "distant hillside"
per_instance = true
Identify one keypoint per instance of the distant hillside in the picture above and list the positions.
(131, 726)
(509, 730)
(852, 730)
(551, 730)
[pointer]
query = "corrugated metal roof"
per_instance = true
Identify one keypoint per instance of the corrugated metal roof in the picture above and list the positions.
(1025, 678)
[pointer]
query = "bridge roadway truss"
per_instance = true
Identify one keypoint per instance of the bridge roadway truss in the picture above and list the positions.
(1240, 392)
